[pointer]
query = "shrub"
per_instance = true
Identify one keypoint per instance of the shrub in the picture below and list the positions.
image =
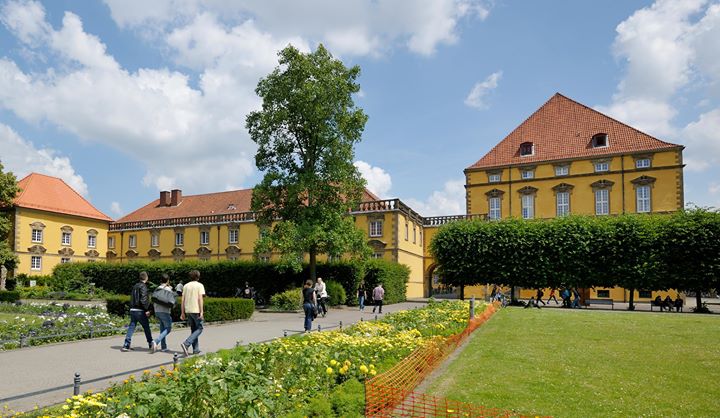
(40, 280)
(336, 293)
(289, 300)
(393, 276)
(216, 309)
(9, 296)
(10, 283)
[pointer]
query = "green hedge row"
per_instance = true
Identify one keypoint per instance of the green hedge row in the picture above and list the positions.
(9, 296)
(216, 309)
(222, 278)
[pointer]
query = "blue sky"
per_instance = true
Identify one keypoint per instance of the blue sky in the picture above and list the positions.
(123, 98)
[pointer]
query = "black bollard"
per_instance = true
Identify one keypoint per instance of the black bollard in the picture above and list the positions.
(319, 328)
(175, 361)
(284, 333)
(340, 325)
(76, 384)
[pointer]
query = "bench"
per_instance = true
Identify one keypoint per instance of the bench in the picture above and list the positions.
(610, 302)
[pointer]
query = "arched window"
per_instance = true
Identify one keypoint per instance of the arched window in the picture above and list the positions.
(600, 140)
(526, 148)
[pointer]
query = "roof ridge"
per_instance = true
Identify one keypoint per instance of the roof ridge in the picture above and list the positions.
(81, 197)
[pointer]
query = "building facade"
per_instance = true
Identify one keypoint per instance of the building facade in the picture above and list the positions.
(54, 224)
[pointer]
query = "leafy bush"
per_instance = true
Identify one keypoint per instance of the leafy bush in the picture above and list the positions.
(336, 293)
(216, 309)
(289, 300)
(40, 280)
(9, 296)
(45, 292)
(10, 284)
(393, 276)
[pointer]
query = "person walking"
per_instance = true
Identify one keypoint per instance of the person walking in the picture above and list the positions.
(321, 296)
(576, 301)
(538, 297)
(309, 302)
(552, 296)
(163, 301)
(378, 295)
(139, 312)
(361, 294)
(192, 308)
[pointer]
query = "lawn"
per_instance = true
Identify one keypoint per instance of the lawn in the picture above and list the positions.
(581, 363)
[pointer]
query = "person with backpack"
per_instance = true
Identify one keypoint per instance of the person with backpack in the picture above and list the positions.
(163, 301)
(139, 312)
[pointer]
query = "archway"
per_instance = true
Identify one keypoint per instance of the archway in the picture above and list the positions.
(436, 289)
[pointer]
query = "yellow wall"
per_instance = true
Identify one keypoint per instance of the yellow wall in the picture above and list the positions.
(52, 239)
(666, 191)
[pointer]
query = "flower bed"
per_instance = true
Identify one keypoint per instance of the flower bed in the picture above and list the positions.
(36, 324)
(313, 375)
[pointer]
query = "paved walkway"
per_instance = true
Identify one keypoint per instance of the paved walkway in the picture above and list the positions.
(46, 367)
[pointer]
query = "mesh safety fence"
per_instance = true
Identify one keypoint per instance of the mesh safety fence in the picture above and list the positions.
(391, 394)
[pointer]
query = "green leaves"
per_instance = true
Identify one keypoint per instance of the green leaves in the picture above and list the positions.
(306, 133)
(8, 191)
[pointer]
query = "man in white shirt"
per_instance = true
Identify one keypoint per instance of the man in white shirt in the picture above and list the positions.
(191, 306)
(378, 295)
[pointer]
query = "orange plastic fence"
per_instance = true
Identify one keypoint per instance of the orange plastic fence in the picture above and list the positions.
(390, 394)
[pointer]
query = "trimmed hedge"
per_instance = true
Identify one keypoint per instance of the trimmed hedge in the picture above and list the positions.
(216, 309)
(336, 293)
(221, 278)
(9, 296)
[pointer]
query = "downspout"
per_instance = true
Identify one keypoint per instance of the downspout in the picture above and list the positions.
(218, 246)
(122, 235)
(622, 181)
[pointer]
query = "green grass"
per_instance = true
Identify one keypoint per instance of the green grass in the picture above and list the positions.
(10, 317)
(583, 363)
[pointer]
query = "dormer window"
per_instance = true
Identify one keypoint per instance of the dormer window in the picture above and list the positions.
(600, 141)
(526, 148)
(232, 207)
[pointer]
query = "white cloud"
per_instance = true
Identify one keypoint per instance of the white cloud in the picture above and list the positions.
(350, 27)
(702, 141)
(650, 116)
(26, 19)
(116, 210)
(22, 158)
(448, 201)
(714, 188)
(476, 97)
(378, 180)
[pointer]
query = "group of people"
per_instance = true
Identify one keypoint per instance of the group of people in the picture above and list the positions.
(376, 297)
(161, 302)
(315, 300)
(668, 303)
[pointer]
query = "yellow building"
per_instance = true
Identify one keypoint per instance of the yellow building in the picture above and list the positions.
(220, 226)
(53, 224)
(567, 158)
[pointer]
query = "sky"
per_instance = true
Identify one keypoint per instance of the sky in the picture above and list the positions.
(124, 98)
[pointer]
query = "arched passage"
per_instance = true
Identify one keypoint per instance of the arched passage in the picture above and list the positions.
(434, 288)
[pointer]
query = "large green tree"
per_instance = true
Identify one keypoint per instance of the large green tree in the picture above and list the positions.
(306, 133)
(8, 191)
(690, 249)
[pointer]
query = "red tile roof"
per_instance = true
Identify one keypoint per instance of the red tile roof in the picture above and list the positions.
(202, 205)
(52, 194)
(563, 128)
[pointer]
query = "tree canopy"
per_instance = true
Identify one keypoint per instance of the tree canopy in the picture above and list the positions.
(306, 132)
(8, 191)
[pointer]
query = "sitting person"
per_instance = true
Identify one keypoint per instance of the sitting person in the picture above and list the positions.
(659, 302)
(668, 302)
(678, 303)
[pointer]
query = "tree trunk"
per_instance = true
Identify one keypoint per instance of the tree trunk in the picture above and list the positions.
(698, 300)
(462, 292)
(313, 263)
(512, 294)
(631, 307)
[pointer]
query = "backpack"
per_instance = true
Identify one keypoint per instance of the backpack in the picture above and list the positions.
(163, 297)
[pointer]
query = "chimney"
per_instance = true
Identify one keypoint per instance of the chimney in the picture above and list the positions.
(164, 198)
(175, 197)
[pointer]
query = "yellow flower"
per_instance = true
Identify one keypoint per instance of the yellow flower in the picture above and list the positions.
(333, 362)
(329, 370)
(363, 369)
(373, 372)
(342, 370)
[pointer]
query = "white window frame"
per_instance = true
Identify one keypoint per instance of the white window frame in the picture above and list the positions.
(179, 239)
(601, 167)
(36, 263)
(643, 199)
(111, 242)
(494, 208)
(204, 237)
(562, 203)
(265, 258)
(154, 239)
(527, 174)
(377, 255)
(602, 202)
(64, 260)
(233, 235)
(562, 170)
(67, 241)
(132, 241)
(527, 203)
(643, 163)
(494, 178)
(37, 235)
(407, 232)
(92, 241)
(376, 228)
